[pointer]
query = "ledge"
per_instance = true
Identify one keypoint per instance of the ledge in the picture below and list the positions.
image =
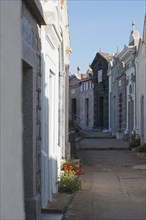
(59, 204)
(37, 10)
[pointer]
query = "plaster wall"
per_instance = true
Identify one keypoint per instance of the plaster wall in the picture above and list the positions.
(55, 65)
(50, 150)
(141, 91)
(67, 52)
(31, 59)
(11, 173)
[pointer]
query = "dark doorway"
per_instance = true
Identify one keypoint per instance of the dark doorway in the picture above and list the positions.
(101, 112)
(74, 106)
(28, 137)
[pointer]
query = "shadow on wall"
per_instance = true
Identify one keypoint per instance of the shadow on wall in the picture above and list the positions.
(37, 186)
(31, 106)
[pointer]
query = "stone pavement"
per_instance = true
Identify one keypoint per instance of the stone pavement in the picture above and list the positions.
(114, 183)
(113, 186)
(102, 144)
(96, 134)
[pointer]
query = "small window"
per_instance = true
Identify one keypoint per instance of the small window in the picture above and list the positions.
(99, 75)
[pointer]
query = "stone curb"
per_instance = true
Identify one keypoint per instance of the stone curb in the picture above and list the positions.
(98, 137)
(61, 208)
(104, 148)
(67, 206)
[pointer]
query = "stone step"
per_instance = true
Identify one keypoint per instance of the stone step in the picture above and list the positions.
(59, 204)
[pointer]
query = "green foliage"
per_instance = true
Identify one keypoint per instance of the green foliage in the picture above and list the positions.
(134, 143)
(69, 183)
(141, 148)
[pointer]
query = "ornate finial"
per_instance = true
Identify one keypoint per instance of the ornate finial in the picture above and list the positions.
(133, 25)
(78, 69)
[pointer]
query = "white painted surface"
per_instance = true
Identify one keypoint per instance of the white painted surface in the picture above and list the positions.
(11, 187)
(141, 86)
(55, 40)
(49, 118)
(50, 72)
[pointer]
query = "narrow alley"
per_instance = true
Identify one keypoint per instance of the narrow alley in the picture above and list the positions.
(72, 110)
(113, 186)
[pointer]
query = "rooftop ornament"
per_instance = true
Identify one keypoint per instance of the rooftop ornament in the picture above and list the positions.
(90, 71)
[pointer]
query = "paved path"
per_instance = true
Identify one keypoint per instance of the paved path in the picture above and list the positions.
(103, 143)
(113, 186)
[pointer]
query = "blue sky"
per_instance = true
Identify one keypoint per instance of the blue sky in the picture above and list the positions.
(101, 25)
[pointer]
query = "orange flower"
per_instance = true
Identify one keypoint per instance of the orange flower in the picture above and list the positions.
(74, 168)
(77, 165)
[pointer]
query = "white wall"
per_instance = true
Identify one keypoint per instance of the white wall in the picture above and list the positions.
(11, 187)
(140, 89)
(50, 149)
(53, 95)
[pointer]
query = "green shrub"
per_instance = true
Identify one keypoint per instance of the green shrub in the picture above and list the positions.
(141, 148)
(69, 183)
(134, 143)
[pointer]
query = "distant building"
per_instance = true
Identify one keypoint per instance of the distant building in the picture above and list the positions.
(86, 103)
(123, 89)
(117, 97)
(127, 57)
(141, 87)
(101, 90)
(74, 97)
(81, 100)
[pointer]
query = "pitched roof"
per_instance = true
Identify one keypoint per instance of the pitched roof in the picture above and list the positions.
(106, 55)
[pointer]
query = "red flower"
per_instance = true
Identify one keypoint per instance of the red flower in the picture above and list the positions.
(77, 165)
(81, 171)
(73, 168)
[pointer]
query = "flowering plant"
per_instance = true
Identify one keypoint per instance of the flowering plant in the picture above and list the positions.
(72, 167)
(69, 182)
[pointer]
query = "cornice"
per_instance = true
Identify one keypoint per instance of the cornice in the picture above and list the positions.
(37, 10)
(129, 50)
